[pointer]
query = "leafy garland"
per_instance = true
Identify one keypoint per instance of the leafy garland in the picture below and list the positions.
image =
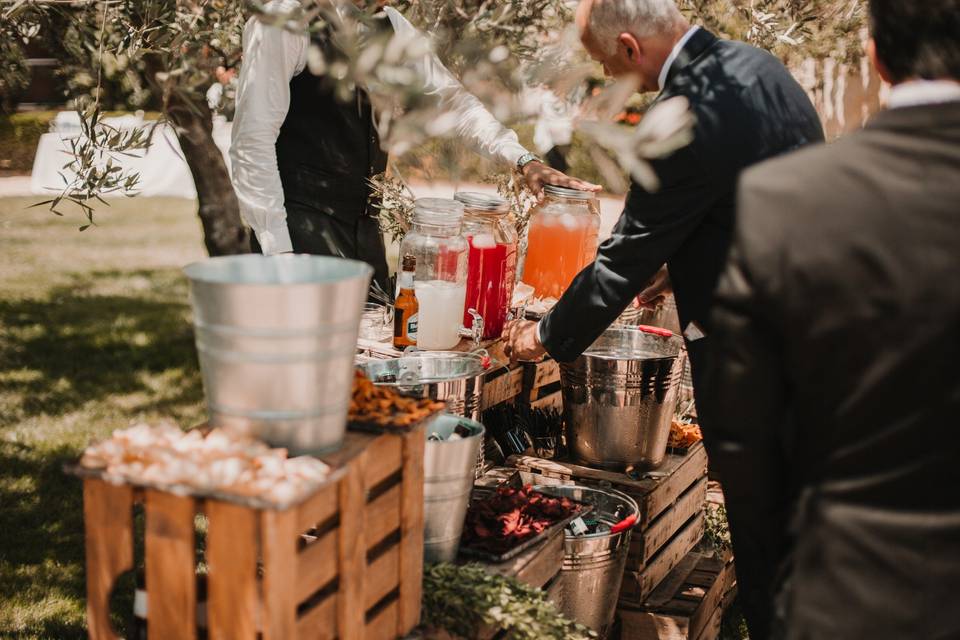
(394, 201)
(462, 600)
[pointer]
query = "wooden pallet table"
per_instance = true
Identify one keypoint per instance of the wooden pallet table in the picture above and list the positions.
(344, 563)
(688, 604)
(671, 503)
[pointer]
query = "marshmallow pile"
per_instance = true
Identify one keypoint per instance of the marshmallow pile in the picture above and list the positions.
(219, 461)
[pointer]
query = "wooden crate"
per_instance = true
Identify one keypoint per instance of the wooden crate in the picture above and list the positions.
(688, 605)
(671, 502)
(541, 385)
(345, 563)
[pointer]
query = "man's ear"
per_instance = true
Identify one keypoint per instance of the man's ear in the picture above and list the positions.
(881, 68)
(632, 46)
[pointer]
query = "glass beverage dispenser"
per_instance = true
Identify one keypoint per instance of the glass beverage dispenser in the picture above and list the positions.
(561, 239)
(440, 279)
(491, 262)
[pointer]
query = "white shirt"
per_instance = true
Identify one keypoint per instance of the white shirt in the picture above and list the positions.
(920, 92)
(677, 48)
(272, 56)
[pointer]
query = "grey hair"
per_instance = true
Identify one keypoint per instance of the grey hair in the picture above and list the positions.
(643, 18)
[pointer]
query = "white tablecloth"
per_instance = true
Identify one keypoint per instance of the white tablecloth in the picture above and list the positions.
(163, 171)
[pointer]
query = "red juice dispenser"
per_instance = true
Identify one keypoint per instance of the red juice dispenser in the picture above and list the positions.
(491, 261)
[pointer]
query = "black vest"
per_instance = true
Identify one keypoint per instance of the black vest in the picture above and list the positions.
(328, 148)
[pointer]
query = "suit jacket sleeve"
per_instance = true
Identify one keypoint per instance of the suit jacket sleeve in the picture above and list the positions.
(650, 230)
(743, 399)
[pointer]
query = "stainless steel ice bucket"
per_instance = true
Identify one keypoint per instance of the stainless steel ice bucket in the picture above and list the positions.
(448, 467)
(276, 336)
(450, 376)
(619, 398)
(592, 572)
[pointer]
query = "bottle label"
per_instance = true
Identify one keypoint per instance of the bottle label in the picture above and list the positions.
(412, 327)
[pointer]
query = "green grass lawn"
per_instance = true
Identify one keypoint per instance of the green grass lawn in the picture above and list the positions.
(94, 335)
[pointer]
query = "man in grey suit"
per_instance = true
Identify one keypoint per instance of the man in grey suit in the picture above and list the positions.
(832, 388)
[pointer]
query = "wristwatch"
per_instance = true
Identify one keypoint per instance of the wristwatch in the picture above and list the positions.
(526, 159)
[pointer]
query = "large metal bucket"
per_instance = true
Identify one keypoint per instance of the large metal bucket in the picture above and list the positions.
(619, 398)
(447, 483)
(592, 572)
(276, 336)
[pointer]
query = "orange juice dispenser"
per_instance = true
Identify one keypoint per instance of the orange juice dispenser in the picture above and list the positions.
(562, 239)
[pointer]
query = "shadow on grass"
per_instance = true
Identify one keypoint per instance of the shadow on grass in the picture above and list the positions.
(110, 346)
(77, 346)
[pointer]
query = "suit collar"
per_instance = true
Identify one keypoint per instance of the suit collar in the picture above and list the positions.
(698, 43)
(928, 116)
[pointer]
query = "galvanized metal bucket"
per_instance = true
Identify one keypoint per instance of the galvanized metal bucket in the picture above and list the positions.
(449, 376)
(448, 474)
(276, 336)
(593, 564)
(619, 398)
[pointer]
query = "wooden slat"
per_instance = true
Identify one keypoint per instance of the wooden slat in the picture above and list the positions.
(384, 458)
(538, 375)
(383, 576)
(637, 585)
(645, 543)
(279, 537)
(383, 515)
(317, 565)
(108, 525)
(692, 467)
(320, 622)
(384, 624)
(643, 625)
(711, 630)
(411, 532)
(536, 566)
(352, 551)
(503, 388)
(552, 401)
(232, 581)
(170, 566)
(318, 508)
(674, 582)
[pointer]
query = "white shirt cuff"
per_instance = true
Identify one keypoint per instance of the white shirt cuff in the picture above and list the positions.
(540, 332)
(512, 153)
(275, 239)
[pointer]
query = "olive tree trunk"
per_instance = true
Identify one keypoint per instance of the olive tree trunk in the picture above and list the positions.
(223, 230)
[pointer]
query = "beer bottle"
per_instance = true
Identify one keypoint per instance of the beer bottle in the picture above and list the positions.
(406, 307)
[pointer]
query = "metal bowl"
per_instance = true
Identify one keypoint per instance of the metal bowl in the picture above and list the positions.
(450, 376)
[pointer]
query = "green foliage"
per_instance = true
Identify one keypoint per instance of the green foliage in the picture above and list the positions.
(717, 531)
(790, 29)
(19, 135)
(464, 599)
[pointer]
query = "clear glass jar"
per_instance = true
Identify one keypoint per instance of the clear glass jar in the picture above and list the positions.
(440, 280)
(561, 239)
(491, 261)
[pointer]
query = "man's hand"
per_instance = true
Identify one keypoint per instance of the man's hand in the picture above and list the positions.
(521, 341)
(656, 290)
(538, 174)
